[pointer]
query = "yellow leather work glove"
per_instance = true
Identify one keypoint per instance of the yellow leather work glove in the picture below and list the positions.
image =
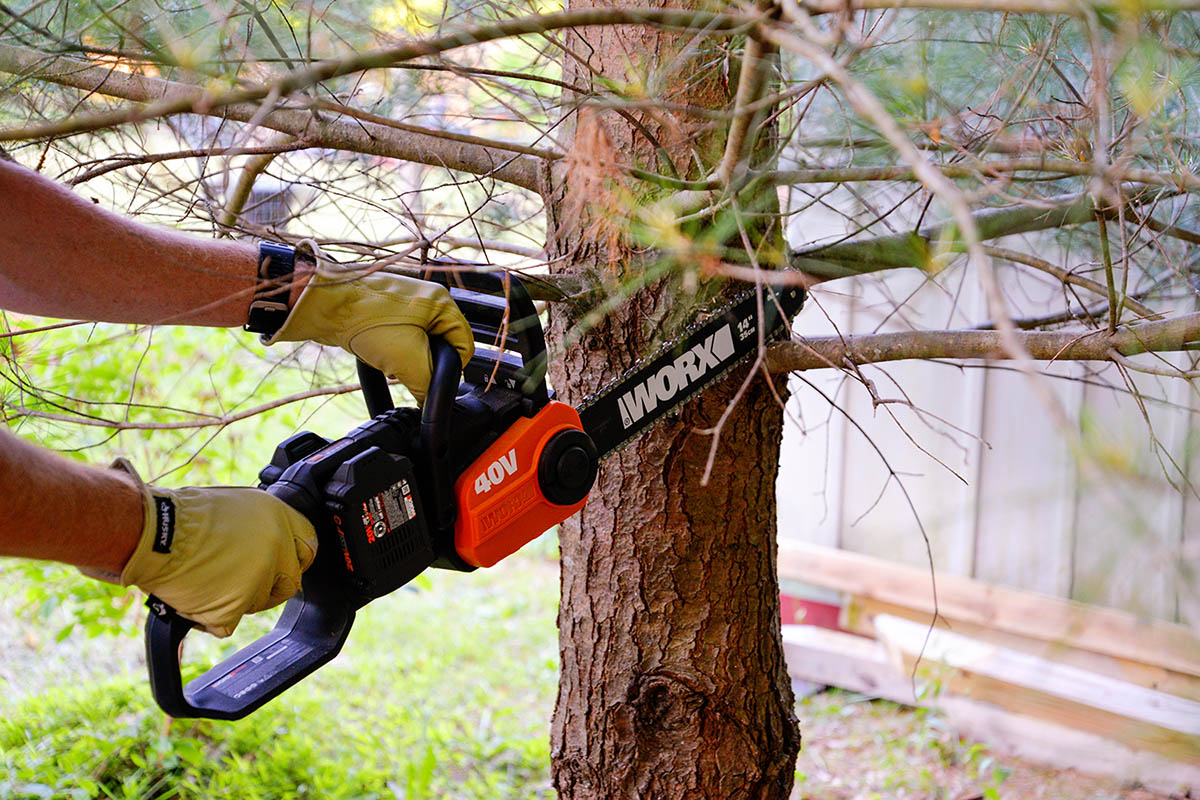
(382, 319)
(216, 553)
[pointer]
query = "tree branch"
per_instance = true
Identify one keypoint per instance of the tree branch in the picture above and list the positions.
(358, 136)
(1072, 8)
(1066, 276)
(913, 250)
(201, 420)
(751, 83)
(108, 164)
(209, 101)
(253, 168)
(980, 169)
(1076, 345)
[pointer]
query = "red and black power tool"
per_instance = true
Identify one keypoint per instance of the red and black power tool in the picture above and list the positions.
(484, 467)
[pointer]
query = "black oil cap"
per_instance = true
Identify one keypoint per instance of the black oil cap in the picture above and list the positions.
(567, 468)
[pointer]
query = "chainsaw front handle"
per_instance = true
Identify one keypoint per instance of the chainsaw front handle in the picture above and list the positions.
(316, 621)
(310, 632)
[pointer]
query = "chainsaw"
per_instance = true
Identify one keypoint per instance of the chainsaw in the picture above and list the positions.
(488, 463)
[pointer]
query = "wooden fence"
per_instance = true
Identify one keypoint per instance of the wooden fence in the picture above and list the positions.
(971, 453)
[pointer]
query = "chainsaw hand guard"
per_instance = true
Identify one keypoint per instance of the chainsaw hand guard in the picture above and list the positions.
(311, 631)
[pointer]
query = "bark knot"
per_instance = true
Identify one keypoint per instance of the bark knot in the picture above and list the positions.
(663, 703)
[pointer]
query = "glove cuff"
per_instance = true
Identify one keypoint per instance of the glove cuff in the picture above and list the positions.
(158, 530)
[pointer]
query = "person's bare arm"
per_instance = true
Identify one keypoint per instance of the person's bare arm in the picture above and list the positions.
(63, 256)
(64, 511)
(213, 553)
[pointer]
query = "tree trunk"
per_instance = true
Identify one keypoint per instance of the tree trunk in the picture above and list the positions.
(673, 682)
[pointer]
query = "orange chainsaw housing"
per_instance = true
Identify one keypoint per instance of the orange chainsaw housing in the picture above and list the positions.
(501, 503)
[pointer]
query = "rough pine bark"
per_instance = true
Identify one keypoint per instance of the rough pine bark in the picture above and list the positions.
(673, 682)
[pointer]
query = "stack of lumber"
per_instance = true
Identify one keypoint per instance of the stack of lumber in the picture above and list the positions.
(1059, 682)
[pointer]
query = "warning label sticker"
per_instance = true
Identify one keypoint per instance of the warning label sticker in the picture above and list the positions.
(388, 510)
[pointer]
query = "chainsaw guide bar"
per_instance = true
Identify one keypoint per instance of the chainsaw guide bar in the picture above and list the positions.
(659, 386)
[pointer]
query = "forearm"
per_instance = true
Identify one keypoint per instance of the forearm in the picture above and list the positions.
(63, 256)
(64, 511)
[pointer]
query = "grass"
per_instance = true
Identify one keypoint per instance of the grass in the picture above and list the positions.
(861, 749)
(856, 747)
(441, 692)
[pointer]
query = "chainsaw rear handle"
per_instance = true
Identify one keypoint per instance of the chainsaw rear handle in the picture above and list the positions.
(316, 621)
(435, 427)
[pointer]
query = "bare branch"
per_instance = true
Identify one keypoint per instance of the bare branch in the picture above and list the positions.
(325, 131)
(1076, 345)
(1066, 276)
(1072, 8)
(1040, 165)
(111, 163)
(913, 250)
(245, 184)
(751, 83)
(199, 100)
(201, 420)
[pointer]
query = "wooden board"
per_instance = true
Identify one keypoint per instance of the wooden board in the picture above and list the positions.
(1044, 742)
(833, 658)
(858, 614)
(1141, 718)
(1050, 619)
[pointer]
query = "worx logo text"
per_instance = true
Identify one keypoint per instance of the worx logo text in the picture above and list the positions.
(673, 378)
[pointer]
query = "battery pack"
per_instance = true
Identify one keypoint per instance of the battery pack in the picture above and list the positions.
(380, 524)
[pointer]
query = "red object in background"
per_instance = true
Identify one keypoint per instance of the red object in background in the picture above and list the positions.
(799, 611)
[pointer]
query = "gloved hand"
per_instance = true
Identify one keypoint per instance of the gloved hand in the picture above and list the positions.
(216, 553)
(382, 319)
